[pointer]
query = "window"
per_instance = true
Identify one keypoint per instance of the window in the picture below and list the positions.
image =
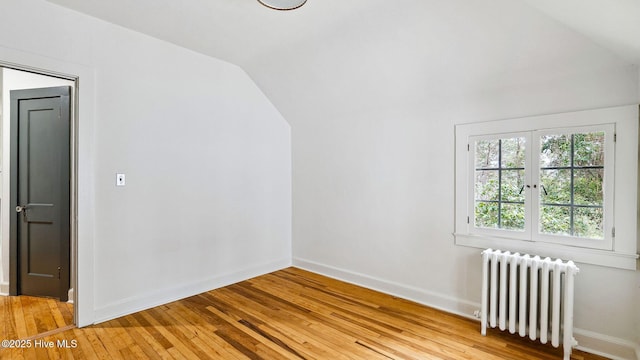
(529, 185)
(544, 185)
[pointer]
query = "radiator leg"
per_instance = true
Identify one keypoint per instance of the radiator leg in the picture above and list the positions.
(485, 292)
(568, 347)
(569, 341)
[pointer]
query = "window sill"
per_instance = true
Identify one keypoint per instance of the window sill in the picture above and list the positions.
(576, 254)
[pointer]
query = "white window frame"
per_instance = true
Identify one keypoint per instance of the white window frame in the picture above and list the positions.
(621, 175)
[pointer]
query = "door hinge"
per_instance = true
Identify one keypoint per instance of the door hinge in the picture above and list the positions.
(613, 232)
(615, 137)
(467, 220)
(468, 147)
(59, 268)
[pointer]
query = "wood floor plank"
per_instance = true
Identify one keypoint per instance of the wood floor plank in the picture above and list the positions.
(295, 324)
(58, 313)
(26, 316)
(275, 332)
(98, 346)
(351, 326)
(192, 311)
(178, 344)
(151, 349)
(369, 320)
(18, 314)
(273, 328)
(247, 328)
(289, 314)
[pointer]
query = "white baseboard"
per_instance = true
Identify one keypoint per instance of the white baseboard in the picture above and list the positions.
(167, 295)
(438, 301)
(588, 341)
(605, 345)
(70, 296)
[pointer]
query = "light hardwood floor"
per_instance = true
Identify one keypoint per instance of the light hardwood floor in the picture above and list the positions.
(288, 314)
(26, 316)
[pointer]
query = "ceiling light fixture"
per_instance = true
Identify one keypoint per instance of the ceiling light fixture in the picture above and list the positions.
(282, 4)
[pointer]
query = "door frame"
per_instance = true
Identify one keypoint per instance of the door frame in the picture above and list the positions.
(73, 191)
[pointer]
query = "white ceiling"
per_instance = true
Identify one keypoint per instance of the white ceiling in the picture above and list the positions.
(231, 30)
(614, 24)
(241, 30)
(351, 59)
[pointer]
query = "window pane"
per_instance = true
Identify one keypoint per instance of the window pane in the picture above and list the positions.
(499, 178)
(512, 183)
(512, 216)
(513, 153)
(587, 186)
(486, 185)
(555, 220)
(572, 174)
(557, 184)
(555, 151)
(588, 222)
(487, 153)
(486, 214)
(589, 149)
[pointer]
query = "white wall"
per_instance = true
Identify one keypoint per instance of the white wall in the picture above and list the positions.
(373, 116)
(207, 159)
(14, 80)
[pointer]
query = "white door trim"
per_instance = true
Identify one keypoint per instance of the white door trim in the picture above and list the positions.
(82, 175)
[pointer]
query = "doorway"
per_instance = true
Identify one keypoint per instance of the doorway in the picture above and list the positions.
(37, 184)
(40, 180)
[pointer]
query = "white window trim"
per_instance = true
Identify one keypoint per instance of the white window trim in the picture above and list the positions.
(622, 250)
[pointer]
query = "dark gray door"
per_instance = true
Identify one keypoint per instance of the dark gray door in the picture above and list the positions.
(40, 179)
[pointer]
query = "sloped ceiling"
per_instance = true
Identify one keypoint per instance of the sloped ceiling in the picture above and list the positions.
(337, 56)
(231, 30)
(237, 30)
(615, 24)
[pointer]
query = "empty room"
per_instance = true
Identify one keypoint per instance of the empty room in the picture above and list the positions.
(319, 179)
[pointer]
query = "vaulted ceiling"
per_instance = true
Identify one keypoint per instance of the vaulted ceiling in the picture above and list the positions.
(239, 30)
(613, 24)
(360, 54)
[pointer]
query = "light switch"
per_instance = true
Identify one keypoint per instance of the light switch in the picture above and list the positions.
(120, 180)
